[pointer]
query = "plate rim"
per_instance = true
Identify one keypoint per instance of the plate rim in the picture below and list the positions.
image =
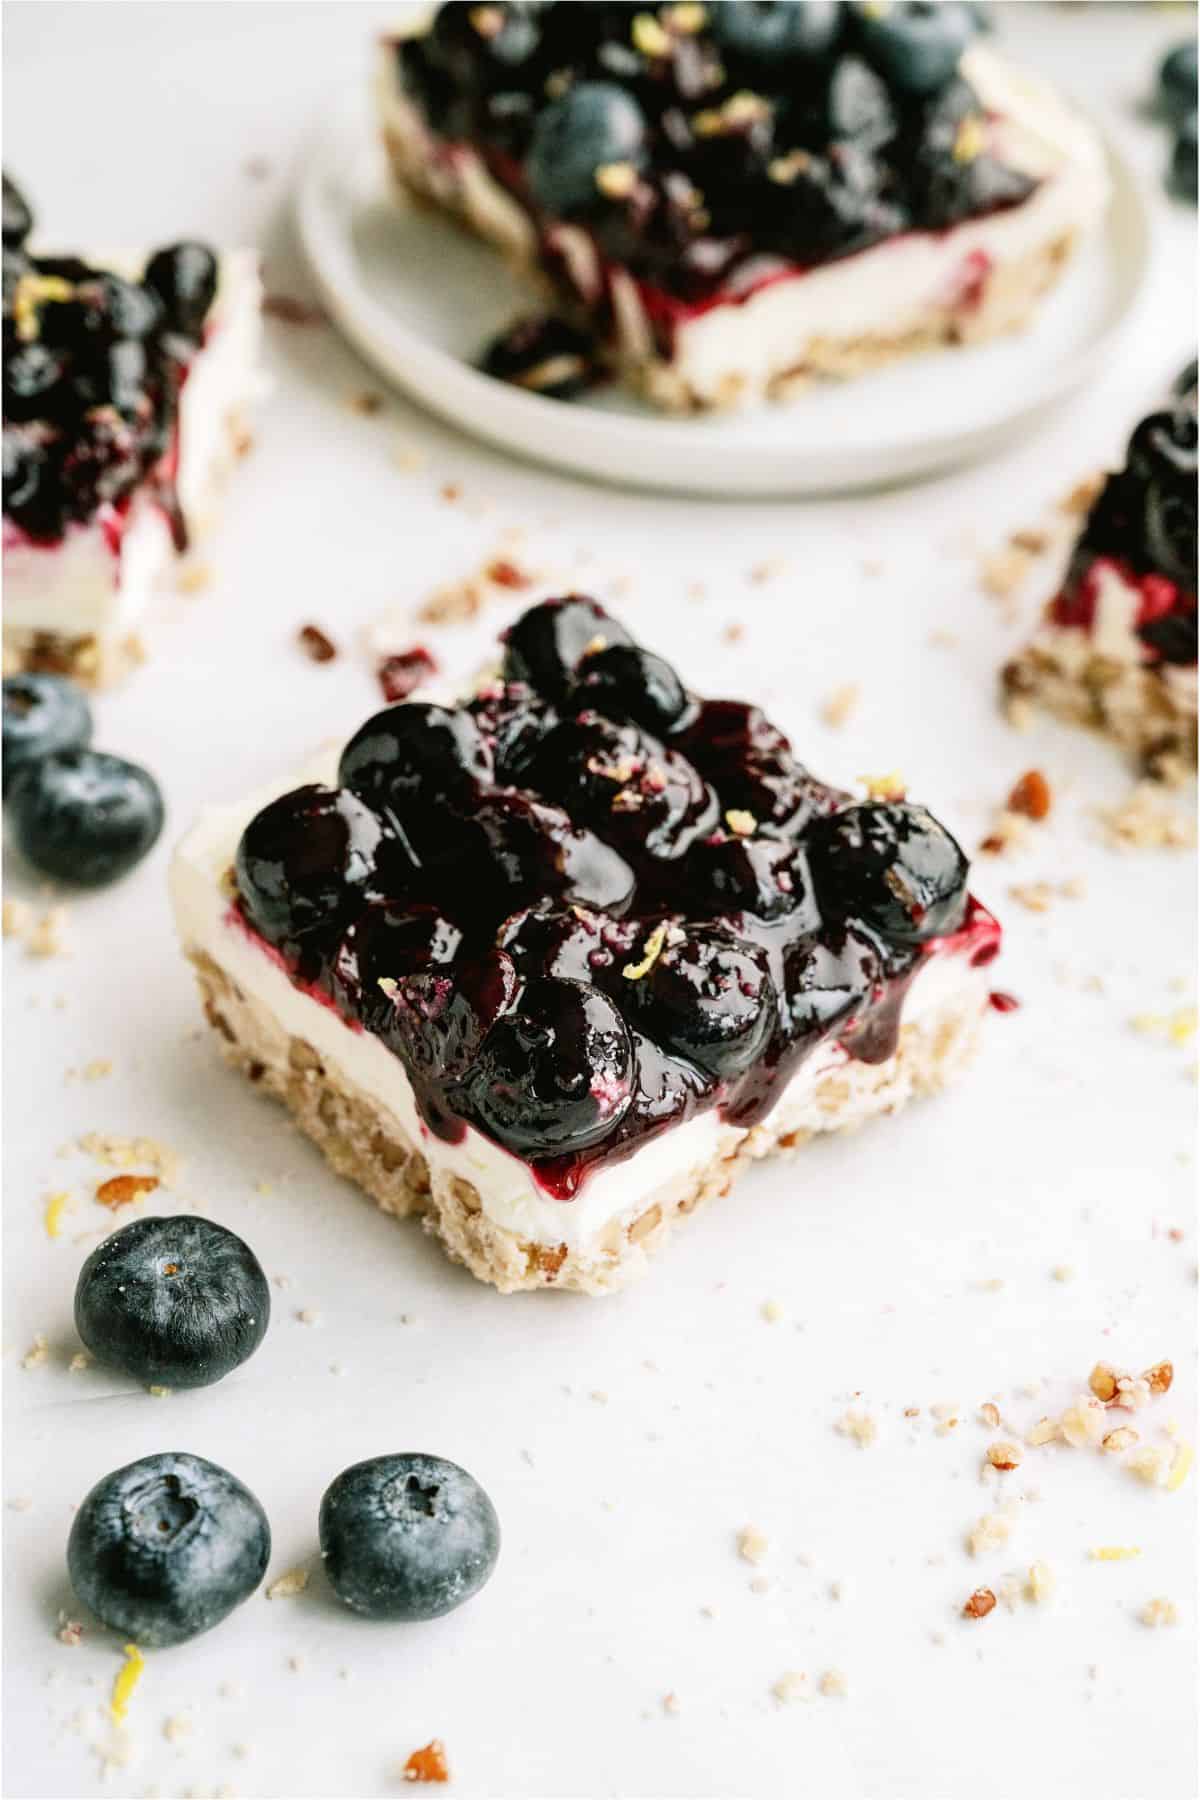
(636, 452)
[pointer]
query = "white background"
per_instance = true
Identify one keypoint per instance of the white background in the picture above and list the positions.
(912, 1265)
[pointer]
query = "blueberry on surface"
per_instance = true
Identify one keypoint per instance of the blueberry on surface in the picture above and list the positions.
(305, 860)
(543, 355)
(42, 713)
(891, 865)
(175, 1303)
(184, 277)
(1182, 176)
(546, 645)
(417, 759)
(594, 123)
(914, 44)
(707, 997)
(166, 1547)
(623, 681)
(774, 35)
(1177, 79)
(18, 219)
(554, 1075)
(83, 816)
(407, 1537)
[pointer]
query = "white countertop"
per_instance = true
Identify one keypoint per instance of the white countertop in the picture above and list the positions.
(625, 1442)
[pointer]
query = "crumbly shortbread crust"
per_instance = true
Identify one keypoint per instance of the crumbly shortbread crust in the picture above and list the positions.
(366, 1144)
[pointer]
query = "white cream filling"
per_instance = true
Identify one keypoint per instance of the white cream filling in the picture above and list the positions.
(884, 292)
(93, 583)
(509, 1194)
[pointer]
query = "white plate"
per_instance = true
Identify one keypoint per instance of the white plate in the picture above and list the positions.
(420, 298)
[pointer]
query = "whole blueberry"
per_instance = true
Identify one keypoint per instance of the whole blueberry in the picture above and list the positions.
(890, 865)
(915, 44)
(623, 681)
(417, 758)
(175, 1303)
(42, 713)
(32, 374)
(1176, 83)
(166, 1547)
(184, 277)
(1181, 178)
(707, 997)
(384, 943)
(547, 643)
(407, 1537)
(765, 876)
(776, 34)
(304, 862)
(30, 501)
(18, 219)
(1184, 385)
(593, 124)
(543, 355)
(438, 1019)
(84, 816)
(554, 1075)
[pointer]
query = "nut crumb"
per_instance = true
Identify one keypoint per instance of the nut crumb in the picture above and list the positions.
(316, 645)
(991, 1532)
(1031, 796)
(1159, 1612)
(1040, 1584)
(1146, 821)
(979, 1604)
(427, 1764)
(833, 1684)
(194, 577)
(670, 1703)
(751, 1544)
(80, 1361)
(37, 1352)
(177, 1727)
(70, 1632)
(792, 1685)
(1004, 1455)
(772, 1312)
(367, 402)
(990, 1414)
(858, 1425)
(123, 1190)
(838, 706)
(285, 1586)
(47, 935)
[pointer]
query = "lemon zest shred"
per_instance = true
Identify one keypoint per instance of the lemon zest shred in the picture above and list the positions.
(1179, 1468)
(56, 1206)
(126, 1679)
(651, 954)
(1115, 1553)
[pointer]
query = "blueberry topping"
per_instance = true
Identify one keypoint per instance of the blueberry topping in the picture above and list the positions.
(1182, 175)
(414, 760)
(765, 876)
(177, 1303)
(705, 996)
(826, 983)
(440, 1018)
(520, 848)
(891, 865)
(1162, 459)
(914, 44)
(407, 1537)
(623, 681)
(776, 35)
(306, 860)
(1184, 385)
(646, 800)
(18, 220)
(543, 355)
(1176, 85)
(385, 943)
(572, 943)
(83, 816)
(554, 1075)
(594, 126)
(166, 1548)
(546, 645)
(184, 276)
(750, 764)
(42, 714)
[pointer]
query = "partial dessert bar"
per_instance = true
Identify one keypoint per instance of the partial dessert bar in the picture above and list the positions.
(1116, 647)
(127, 381)
(553, 965)
(737, 198)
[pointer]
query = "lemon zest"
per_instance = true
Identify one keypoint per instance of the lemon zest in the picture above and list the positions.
(126, 1679)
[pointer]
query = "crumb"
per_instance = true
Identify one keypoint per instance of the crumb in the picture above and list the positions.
(670, 1703)
(1046, 1431)
(1063, 1272)
(1036, 542)
(315, 644)
(177, 1727)
(858, 1425)
(80, 1361)
(70, 1632)
(47, 935)
(1159, 1612)
(1083, 495)
(256, 168)
(733, 634)
(1004, 1455)
(990, 1414)
(194, 577)
(751, 1544)
(37, 1352)
(990, 1533)
(56, 1206)
(884, 787)
(158, 1392)
(502, 572)
(285, 1586)
(20, 1503)
(1117, 1442)
(308, 1315)
(1031, 796)
(1148, 1464)
(833, 1684)
(1040, 1583)
(286, 309)
(837, 706)
(451, 491)
(771, 1311)
(17, 917)
(123, 1190)
(401, 674)
(941, 639)
(599, 1396)
(1085, 1422)
(767, 571)
(741, 823)
(427, 1764)
(1019, 712)
(979, 1604)
(97, 1070)
(122, 1152)
(792, 1685)
(760, 1585)
(1146, 821)
(406, 457)
(1004, 571)
(367, 402)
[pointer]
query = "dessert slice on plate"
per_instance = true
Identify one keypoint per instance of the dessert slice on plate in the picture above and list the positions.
(554, 965)
(126, 381)
(736, 198)
(1116, 647)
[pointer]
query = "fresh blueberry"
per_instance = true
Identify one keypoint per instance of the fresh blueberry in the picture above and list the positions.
(891, 865)
(915, 44)
(407, 1537)
(553, 1076)
(83, 816)
(707, 997)
(42, 714)
(776, 35)
(166, 1547)
(594, 123)
(18, 219)
(1176, 83)
(175, 1303)
(543, 355)
(622, 681)
(417, 759)
(306, 860)
(546, 645)
(1182, 176)
(184, 277)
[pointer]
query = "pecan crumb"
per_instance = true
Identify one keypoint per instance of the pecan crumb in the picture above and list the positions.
(1004, 1455)
(1031, 796)
(315, 644)
(403, 672)
(979, 1604)
(507, 574)
(427, 1764)
(122, 1190)
(287, 309)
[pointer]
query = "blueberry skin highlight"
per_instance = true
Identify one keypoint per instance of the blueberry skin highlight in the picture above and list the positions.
(167, 1547)
(176, 1303)
(42, 714)
(407, 1537)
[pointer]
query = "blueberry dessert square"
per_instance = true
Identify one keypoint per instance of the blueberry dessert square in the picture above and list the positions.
(126, 383)
(735, 198)
(554, 964)
(1116, 645)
